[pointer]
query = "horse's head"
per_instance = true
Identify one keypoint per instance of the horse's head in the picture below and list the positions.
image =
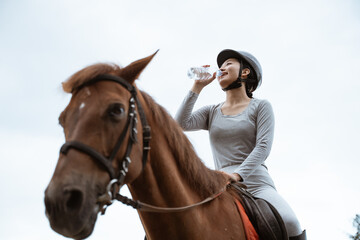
(103, 129)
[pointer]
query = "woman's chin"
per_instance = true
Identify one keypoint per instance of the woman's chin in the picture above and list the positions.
(224, 83)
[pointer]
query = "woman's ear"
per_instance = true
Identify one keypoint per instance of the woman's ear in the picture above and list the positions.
(245, 72)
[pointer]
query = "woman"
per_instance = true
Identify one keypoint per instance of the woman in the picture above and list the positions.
(241, 129)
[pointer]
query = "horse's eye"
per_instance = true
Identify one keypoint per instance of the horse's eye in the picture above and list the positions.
(116, 110)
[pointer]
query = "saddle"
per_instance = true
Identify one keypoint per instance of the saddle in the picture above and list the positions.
(264, 217)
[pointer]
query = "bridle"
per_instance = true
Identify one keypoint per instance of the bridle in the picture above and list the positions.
(110, 195)
(107, 198)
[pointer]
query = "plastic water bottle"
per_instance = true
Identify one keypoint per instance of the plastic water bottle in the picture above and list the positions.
(202, 73)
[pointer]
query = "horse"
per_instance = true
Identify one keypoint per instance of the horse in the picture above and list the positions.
(108, 146)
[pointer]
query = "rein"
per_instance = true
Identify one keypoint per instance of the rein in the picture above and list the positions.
(138, 205)
(110, 195)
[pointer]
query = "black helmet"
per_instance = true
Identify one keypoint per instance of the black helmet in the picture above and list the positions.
(242, 56)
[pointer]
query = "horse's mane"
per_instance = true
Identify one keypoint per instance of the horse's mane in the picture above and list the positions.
(204, 180)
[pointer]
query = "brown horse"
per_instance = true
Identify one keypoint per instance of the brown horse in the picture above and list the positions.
(172, 175)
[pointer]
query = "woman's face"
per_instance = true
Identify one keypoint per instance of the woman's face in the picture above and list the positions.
(230, 72)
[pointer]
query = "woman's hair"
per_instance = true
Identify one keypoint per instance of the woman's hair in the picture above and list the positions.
(251, 81)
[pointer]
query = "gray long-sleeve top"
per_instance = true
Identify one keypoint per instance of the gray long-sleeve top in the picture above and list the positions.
(240, 143)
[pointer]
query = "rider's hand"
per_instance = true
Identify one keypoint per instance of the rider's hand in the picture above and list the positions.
(199, 84)
(233, 177)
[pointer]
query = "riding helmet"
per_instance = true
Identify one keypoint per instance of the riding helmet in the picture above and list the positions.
(242, 56)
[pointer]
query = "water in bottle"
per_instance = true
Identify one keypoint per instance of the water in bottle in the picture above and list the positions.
(202, 73)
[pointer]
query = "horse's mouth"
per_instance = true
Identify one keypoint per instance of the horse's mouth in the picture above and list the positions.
(84, 231)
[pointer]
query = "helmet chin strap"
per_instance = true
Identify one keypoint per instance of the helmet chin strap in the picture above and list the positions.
(233, 85)
(236, 83)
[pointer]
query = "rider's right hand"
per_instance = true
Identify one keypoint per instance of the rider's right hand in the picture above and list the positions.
(199, 84)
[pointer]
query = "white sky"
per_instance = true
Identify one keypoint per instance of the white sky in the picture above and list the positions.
(310, 55)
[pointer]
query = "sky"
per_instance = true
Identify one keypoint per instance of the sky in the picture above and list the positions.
(310, 54)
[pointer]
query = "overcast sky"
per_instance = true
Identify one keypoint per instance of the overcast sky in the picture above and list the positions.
(310, 54)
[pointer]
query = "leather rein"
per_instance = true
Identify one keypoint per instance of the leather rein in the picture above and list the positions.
(110, 195)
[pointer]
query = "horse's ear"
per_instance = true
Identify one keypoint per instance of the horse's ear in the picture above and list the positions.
(134, 69)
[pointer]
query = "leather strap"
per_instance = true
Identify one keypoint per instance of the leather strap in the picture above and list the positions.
(144, 207)
(91, 152)
(131, 125)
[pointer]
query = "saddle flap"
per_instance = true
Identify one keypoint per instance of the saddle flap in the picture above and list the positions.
(264, 217)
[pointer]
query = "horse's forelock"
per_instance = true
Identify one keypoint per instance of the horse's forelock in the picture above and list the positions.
(88, 73)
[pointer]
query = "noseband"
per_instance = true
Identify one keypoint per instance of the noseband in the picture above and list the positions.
(107, 198)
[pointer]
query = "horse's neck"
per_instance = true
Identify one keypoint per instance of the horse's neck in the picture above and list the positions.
(175, 177)
(162, 182)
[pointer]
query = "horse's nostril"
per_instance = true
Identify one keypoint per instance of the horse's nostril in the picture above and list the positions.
(74, 199)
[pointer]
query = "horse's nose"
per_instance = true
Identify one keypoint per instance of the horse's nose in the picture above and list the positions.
(66, 208)
(48, 205)
(73, 199)
(68, 200)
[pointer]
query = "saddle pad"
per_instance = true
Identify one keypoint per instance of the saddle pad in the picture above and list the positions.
(250, 232)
